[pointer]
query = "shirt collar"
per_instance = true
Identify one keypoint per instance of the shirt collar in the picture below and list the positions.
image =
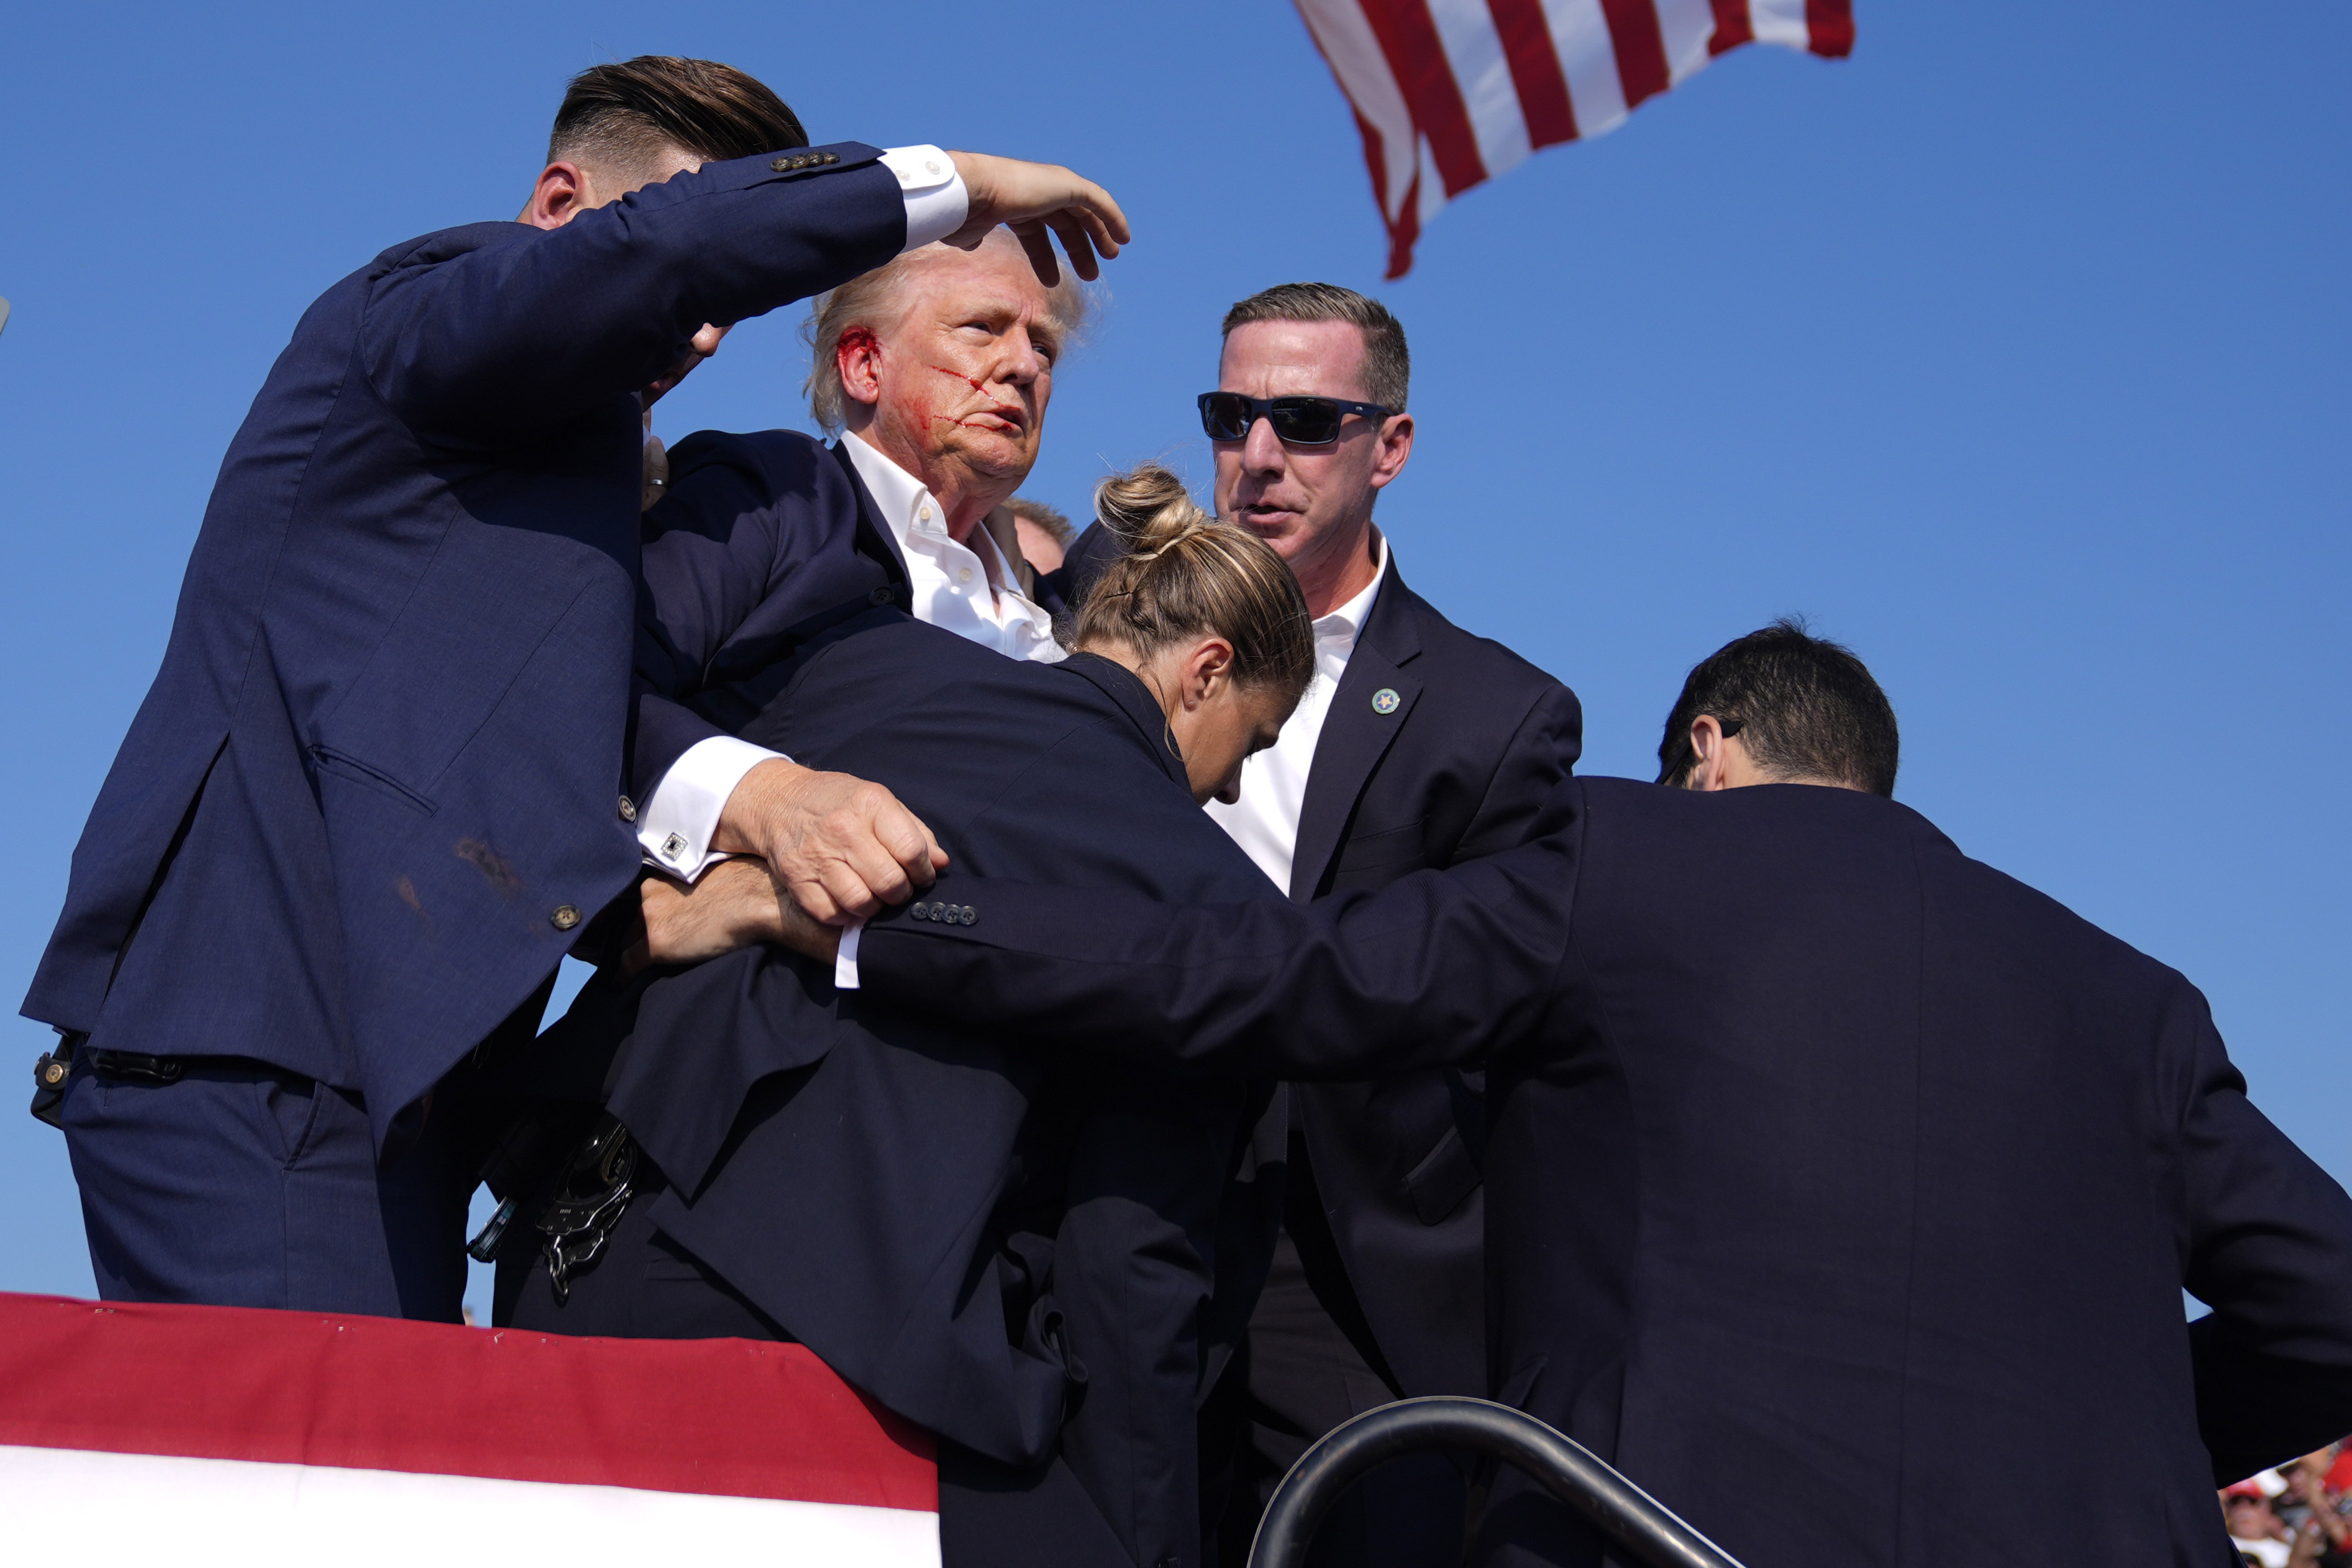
(897, 493)
(1345, 625)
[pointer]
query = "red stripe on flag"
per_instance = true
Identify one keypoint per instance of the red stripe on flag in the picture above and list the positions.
(1732, 26)
(1829, 24)
(1641, 50)
(1405, 227)
(1535, 70)
(1417, 59)
(725, 1418)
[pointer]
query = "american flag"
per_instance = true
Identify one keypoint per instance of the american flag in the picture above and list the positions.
(1450, 92)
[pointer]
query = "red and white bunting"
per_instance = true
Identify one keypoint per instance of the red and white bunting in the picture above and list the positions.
(139, 1434)
(1451, 92)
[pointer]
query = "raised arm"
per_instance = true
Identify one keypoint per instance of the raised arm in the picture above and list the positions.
(487, 343)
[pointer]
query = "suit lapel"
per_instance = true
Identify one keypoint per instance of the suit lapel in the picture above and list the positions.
(873, 540)
(1356, 733)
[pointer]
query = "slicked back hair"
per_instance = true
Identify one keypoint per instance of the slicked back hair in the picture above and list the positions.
(1806, 707)
(1388, 367)
(624, 116)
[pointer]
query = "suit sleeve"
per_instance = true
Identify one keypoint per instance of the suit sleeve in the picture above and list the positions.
(500, 344)
(1542, 753)
(2270, 1250)
(1439, 966)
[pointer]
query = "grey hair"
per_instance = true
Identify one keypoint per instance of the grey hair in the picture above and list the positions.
(876, 301)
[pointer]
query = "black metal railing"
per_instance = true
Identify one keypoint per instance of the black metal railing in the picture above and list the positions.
(1637, 1522)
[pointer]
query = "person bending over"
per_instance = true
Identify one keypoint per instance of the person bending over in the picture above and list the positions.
(379, 783)
(1040, 1259)
(1841, 1189)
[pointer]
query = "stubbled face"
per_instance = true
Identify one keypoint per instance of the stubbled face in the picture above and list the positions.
(1300, 499)
(966, 372)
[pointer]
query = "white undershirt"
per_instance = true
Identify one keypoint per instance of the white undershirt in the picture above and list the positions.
(675, 826)
(1265, 820)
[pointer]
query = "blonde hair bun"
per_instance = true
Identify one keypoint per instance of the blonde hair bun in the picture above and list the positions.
(1149, 510)
(1185, 574)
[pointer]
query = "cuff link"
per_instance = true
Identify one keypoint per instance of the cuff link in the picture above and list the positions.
(673, 849)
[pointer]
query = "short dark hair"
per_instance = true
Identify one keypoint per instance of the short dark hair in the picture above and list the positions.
(623, 115)
(1055, 526)
(1388, 367)
(1805, 706)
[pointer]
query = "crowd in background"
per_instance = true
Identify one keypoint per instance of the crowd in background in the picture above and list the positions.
(2297, 1516)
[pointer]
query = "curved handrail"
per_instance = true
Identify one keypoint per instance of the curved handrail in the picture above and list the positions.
(1621, 1511)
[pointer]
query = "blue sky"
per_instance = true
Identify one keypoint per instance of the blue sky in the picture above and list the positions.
(2012, 350)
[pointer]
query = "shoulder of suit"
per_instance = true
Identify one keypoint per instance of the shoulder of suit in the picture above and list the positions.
(780, 460)
(1464, 656)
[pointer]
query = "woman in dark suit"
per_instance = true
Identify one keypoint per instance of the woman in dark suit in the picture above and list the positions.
(1042, 1260)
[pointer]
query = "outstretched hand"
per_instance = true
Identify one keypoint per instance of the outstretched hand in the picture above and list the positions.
(1036, 201)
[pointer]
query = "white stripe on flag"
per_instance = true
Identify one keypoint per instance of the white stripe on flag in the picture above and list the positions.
(1347, 41)
(1780, 22)
(1579, 31)
(1686, 26)
(1433, 184)
(1473, 51)
(134, 1510)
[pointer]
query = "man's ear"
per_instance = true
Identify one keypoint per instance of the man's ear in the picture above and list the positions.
(1394, 446)
(858, 357)
(1706, 754)
(563, 192)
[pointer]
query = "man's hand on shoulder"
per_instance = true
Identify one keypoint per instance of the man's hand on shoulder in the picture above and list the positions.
(837, 847)
(1034, 200)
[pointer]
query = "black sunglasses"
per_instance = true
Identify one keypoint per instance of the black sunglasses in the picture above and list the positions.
(1302, 421)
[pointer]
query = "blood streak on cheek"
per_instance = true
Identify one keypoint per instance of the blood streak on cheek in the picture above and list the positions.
(971, 380)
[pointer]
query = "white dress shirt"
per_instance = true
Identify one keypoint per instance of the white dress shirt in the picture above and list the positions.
(677, 824)
(1265, 820)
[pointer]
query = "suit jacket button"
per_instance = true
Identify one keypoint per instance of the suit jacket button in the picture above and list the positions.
(628, 809)
(779, 165)
(828, 158)
(968, 915)
(565, 917)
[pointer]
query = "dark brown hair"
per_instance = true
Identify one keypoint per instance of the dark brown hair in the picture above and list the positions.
(623, 116)
(1806, 708)
(1387, 368)
(1186, 574)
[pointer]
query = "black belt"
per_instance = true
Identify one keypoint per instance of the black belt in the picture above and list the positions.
(49, 1073)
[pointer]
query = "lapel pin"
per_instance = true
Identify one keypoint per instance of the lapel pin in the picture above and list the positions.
(1386, 701)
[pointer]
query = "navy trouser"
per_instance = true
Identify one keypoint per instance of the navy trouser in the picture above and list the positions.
(243, 1185)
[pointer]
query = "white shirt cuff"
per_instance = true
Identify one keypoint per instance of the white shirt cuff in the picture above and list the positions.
(936, 202)
(677, 826)
(845, 962)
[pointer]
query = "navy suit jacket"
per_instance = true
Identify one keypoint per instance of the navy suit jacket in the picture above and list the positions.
(1845, 1208)
(896, 1194)
(765, 542)
(378, 778)
(1460, 767)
